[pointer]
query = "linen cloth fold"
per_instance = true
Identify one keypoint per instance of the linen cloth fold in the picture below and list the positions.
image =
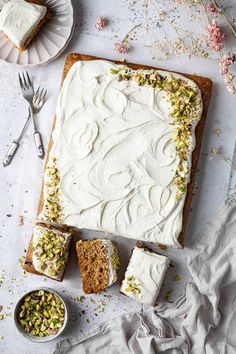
(203, 320)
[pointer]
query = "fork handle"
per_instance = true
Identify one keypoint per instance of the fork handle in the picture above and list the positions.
(39, 144)
(10, 153)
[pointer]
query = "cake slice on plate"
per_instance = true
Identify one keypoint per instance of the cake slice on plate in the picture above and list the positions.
(99, 261)
(48, 251)
(144, 275)
(21, 21)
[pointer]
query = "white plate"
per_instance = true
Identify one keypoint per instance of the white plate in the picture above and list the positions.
(49, 43)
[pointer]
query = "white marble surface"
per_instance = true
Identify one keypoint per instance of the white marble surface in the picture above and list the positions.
(20, 182)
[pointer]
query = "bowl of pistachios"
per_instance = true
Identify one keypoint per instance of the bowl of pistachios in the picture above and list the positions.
(41, 315)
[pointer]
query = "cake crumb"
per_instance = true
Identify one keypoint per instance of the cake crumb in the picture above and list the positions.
(217, 131)
(21, 220)
(162, 247)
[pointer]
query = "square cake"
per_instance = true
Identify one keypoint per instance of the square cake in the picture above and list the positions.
(48, 251)
(120, 159)
(144, 275)
(99, 262)
(21, 20)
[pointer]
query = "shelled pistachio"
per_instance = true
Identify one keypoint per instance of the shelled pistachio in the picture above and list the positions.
(132, 285)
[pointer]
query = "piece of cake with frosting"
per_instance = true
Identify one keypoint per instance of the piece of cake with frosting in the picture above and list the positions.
(48, 251)
(144, 275)
(21, 21)
(99, 261)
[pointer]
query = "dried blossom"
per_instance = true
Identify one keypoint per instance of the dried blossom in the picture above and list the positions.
(215, 36)
(212, 9)
(224, 64)
(218, 152)
(171, 38)
(229, 78)
(121, 48)
(124, 46)
(187, 2)
(231, 88)
(100, 23)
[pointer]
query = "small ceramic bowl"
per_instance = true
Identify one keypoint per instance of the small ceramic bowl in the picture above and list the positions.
(38, 339)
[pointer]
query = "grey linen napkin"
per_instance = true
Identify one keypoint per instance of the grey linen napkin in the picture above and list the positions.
(202, 321)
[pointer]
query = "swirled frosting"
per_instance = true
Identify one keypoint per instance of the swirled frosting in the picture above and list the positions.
(144, 275)
(19, 18)
(116, 156)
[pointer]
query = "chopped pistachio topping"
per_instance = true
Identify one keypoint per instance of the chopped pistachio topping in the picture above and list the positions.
(80, 298)
(52, 200)
(177, 277)
(133, 286)
(50, 250)
(41, 313)
(185, 112)
(169, 295)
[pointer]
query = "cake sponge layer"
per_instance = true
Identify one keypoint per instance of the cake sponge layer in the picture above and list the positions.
(96, 260)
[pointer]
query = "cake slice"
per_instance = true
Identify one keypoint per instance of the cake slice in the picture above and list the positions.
(21, 21)
(99, 262)
(144, 275)
(48, 251)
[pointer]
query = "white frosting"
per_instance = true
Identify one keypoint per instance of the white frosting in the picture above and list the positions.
(115, 155)
(37, 262)
(111, 252)
(19, 18)
(149, 270)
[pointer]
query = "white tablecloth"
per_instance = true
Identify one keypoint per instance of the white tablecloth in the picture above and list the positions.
(20, 183)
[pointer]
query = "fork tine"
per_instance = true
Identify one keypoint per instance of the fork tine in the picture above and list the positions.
(29, 80)
(20, 80)
(36, 95)
(44, 96)
(41, 94)
(24, 81)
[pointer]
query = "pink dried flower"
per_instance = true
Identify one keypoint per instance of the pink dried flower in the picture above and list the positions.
(231, 88)
(215, 36)
(229, 78)
(100, 23)
(121, 48)
(225, 62)
(212, 9)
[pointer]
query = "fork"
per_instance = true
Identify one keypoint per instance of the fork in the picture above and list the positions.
(38, 102)
(28, 93)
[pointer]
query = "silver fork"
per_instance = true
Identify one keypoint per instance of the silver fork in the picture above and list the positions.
(28, 93)
(38, 102)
